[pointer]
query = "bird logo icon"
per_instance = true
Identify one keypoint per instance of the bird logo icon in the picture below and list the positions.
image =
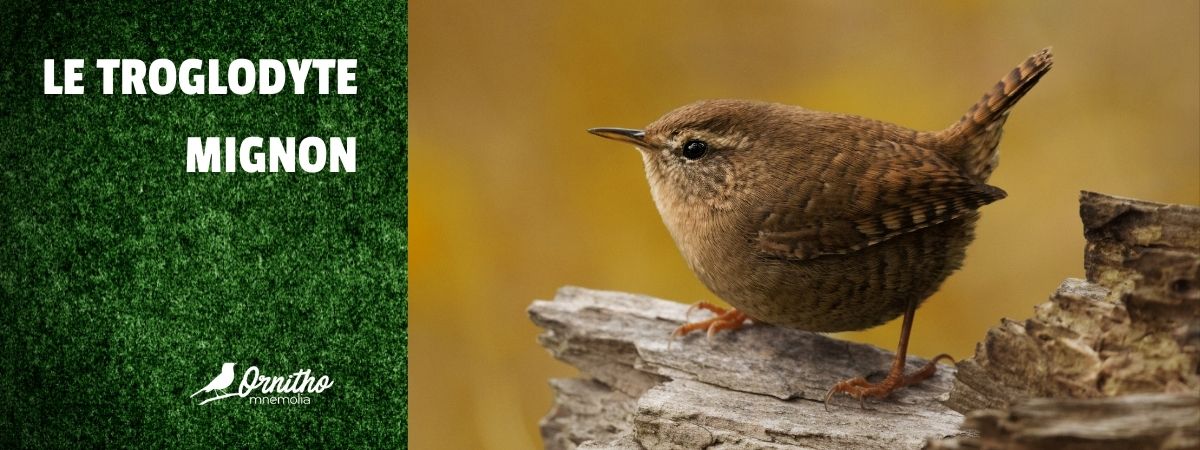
(221, 382)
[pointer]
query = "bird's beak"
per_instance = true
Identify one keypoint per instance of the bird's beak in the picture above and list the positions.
(635, 137)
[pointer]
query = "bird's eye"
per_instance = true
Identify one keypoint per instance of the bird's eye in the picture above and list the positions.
(694, 149)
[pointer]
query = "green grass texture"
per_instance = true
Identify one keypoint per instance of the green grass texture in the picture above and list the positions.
(125, 282)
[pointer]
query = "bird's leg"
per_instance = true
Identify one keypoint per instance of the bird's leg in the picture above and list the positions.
(727, 319)
(860, 389)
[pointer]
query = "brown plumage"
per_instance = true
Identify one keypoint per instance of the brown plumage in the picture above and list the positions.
(823, 221)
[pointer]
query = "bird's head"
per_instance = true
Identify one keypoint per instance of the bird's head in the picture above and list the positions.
(709, 152)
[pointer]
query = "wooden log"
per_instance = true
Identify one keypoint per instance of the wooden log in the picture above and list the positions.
(1115, 359)
(761, 387)
(1149, 253)
(1132, 327)
(1139, 421)
(587, 410)
(1054, 354)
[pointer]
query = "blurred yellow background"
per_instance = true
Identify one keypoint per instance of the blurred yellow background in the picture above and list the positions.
(510, 198)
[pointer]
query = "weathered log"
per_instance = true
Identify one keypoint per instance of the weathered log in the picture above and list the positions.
(587, 410)
(1054, 354)
(761, 387)
(1115, 359)
(1148, 253)
(1139, 421)
(1132, 327)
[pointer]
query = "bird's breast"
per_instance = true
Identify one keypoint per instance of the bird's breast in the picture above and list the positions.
(715, 242)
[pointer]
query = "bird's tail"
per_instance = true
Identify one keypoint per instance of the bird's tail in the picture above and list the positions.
(977, 133)
(197, 393)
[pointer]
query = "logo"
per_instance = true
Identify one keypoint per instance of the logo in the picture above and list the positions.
(298, 384)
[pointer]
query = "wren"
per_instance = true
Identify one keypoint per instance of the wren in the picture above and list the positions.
(823, 221)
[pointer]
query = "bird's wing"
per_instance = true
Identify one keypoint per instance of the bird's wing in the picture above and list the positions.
(858, 202)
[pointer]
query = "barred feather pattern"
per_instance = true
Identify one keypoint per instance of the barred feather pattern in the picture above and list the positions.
(973, 140)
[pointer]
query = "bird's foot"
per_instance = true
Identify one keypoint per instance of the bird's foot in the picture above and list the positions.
(860, 389)
(727, 319)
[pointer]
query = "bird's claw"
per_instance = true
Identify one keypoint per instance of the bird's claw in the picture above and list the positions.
(726, 319)
(860, 389)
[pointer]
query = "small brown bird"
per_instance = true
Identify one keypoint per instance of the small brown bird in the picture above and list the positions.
(822, 221)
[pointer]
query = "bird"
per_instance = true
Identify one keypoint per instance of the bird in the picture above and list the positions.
(221, 382)
(824, 221)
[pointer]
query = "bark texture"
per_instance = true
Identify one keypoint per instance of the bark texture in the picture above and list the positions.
(1111, 362)
(759, 387)
(1132, 327)
(1129, 422)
